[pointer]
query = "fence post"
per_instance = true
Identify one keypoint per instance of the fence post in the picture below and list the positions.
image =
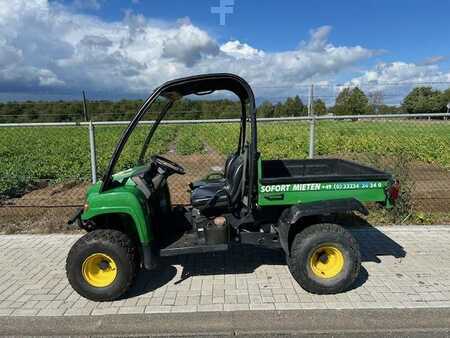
(93, 152)
(92, 146)
(312, 122)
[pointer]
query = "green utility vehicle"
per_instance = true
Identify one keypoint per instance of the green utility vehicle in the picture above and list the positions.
(287, 204)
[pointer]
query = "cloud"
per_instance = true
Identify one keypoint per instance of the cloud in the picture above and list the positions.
(319, 39)
(396, 79)
(88, 4)
(402, 72)
(315, 60)
(188, 45)
(48, 47)
(240, 50)
(434, 60)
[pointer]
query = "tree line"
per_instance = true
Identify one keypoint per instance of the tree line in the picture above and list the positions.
(349, 101)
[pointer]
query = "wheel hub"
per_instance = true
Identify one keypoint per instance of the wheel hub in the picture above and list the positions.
(323, 258)
(327, 261)
(104, 265)
(99, 270)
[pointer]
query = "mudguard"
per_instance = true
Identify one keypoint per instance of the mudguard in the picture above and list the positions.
(122, 200)
(292, 215)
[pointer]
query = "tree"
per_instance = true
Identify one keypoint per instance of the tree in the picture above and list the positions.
(351, 101)
(423, 100)
(319, 107)
(266, 109)
(389, 109)
(279, 110)
(294, 106)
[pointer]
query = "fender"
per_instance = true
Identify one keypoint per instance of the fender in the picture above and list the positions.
(125, 200)
(292, 215)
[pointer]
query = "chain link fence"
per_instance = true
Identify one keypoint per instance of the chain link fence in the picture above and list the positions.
(45, 169)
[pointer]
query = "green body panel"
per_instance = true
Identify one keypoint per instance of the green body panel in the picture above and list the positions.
(124, 199)
(365, 191)
(295, 193)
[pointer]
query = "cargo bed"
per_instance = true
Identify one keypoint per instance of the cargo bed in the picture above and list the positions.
(288, 182)
(317, 170)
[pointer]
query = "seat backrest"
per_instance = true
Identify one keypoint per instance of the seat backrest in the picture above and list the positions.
(234, 177)
(230, 160)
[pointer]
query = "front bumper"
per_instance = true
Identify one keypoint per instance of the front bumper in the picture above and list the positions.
(76, 218)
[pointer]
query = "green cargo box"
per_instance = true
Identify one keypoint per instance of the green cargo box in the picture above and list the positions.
(289, 182)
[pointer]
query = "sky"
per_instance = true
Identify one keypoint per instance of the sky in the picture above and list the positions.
(53, 49)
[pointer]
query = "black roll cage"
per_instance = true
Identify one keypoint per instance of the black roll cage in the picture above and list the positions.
(199, 84)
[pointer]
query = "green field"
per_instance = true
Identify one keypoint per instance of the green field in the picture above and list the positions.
(57, 154)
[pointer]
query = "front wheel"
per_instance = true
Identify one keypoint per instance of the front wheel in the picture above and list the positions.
(324, 259)
(101, 265)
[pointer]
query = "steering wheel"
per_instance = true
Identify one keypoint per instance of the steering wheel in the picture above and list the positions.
(170, 166)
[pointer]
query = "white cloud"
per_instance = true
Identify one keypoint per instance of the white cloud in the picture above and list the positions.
(49, 47)
(402, 72)
(319, 39)
(240, 50)
(316, 60)
(88, 4)
(188, 44)
(396, 79)
(434, 60)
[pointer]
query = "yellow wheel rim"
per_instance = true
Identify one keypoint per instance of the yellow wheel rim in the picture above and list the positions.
(99, 270)
(327, 261)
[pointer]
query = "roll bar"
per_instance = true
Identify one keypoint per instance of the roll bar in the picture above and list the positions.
(198, 84)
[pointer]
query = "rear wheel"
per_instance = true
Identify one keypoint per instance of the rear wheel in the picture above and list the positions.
(102, 264)
(324, 259)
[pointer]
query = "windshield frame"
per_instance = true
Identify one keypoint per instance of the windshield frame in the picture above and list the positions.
(152, 130)
(107, 177)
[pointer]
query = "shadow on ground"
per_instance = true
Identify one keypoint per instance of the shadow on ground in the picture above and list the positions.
(148, 281)
(246, 259)
(372, 242)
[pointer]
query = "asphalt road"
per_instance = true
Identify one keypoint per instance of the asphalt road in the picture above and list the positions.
(308, 323)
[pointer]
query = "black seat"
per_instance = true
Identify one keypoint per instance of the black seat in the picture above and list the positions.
(224, 194)
(216, 178)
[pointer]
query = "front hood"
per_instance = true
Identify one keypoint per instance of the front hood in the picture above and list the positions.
(120, 177)
(123, 175)
(94, 188)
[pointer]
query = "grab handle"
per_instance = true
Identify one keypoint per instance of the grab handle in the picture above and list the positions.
(276, 197)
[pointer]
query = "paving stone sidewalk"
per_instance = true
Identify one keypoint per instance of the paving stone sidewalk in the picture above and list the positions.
(403, 267)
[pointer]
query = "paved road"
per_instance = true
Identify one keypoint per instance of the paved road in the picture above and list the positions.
(404, 267)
